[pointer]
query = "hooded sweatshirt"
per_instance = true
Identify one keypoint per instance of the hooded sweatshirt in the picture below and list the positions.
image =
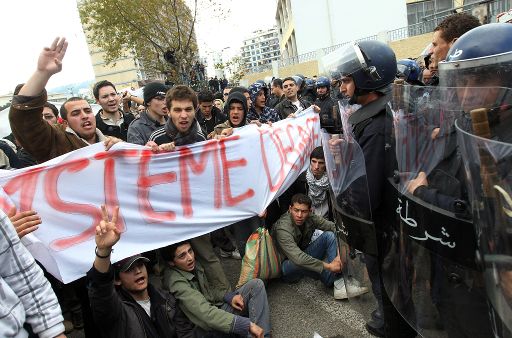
(233, 97)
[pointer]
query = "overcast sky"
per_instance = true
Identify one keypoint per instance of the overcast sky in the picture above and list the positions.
(29, 25)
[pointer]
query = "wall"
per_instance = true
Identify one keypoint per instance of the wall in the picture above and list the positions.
(410, 47)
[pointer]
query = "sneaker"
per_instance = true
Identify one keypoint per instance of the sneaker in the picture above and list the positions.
(354, 289)
(340, 292)
(235, 254)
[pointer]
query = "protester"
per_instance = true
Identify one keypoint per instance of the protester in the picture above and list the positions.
(42, 140)
(244, 312)
(50, 113)
(208, 115)
(182, 129)
(292, 102)
(123, 301)
(28, 302)
(153, 118)
(318, 183)
(449, 30)
(237, 117)
(258, 112)
(110, 119)
(277, 94)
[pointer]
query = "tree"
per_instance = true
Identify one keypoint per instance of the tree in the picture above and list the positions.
(235, 67)
(159, 34)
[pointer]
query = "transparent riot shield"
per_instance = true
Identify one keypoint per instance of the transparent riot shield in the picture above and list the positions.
(429, 269)
(345, 166)
(485, 135)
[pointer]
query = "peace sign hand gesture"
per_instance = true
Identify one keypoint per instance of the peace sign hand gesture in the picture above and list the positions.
(50, 59)
(107, 234)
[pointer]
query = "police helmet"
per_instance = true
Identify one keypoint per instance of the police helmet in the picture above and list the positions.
(408, 70)
(478, 61)
(298, 81)
(310, 84)
(371, 64)
(323, 81)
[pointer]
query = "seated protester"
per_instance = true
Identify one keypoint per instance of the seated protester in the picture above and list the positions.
(258, 111)
(110, 119)
(292, 235)
(318, 183)
(244, 312)
(237, 113)
(208, 115)
(123, 301)
(153, 118)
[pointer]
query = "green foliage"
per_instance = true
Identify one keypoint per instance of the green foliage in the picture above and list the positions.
(145, 30)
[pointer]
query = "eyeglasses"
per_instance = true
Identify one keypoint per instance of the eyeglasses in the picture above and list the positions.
(225, 94)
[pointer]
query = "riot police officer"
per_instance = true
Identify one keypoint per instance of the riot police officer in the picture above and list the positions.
(325, 102)
(485, 143)
(365, 71)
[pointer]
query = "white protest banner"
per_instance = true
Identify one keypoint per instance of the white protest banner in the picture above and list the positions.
(163, 198)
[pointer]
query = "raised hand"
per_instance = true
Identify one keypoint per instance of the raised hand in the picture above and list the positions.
(49, 63)
(107, 234)
(50, 59)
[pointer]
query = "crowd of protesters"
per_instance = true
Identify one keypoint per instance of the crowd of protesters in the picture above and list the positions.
(197, 300)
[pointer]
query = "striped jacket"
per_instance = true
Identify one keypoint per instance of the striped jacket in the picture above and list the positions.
(25, 294)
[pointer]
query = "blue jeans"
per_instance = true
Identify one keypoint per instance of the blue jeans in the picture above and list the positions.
(323, 247)
(256, 307)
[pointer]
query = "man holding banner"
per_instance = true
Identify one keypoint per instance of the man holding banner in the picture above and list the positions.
(182, 128)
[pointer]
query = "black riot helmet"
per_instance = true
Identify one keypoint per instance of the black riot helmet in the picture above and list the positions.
(371, 64)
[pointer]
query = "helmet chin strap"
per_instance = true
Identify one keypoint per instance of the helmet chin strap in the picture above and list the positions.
(357, 93)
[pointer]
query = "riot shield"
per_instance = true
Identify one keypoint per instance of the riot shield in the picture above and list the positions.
(429, 269)
(485, 135)
(345, 166)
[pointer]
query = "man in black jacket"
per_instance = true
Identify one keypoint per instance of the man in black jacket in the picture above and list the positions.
(127, 305)
(182, 129)
(110, 119)
(292, 102)
(208, 115)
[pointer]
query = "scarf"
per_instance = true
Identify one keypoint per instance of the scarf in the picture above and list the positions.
(317, 188)
(194, 134)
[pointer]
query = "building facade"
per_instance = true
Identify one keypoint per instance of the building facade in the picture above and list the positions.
(306, 26)
(261, 49)
(423, 16)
